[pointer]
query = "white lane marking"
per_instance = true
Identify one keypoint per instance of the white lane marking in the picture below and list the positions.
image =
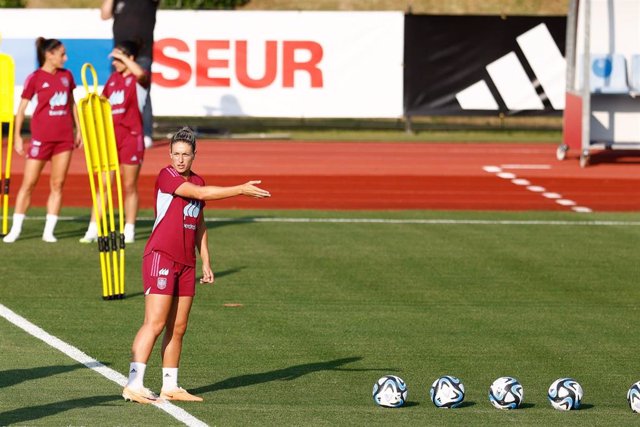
(536, 189)
(492, 169)
(581, 209)
(498, 171)
(550, 195)
(91, 363)
(526, 167)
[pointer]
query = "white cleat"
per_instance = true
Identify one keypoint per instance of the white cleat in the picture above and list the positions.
(49, 239)
(11, 237)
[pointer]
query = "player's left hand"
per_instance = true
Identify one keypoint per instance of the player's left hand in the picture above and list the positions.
(78, 140)
(207, 275)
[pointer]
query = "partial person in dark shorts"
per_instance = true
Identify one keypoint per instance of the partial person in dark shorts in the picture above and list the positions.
(52, 136)
(168, 268)
(126, 90)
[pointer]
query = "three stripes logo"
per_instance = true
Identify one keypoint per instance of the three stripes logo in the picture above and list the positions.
(116, 97)
(513, 85)
(58, 99)
(192, 209)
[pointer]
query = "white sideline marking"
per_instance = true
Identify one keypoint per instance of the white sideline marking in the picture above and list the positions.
(91, 363)
(398, 221)
(525, 166)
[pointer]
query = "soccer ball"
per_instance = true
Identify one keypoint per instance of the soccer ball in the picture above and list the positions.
(565, 394)
(447, 392)
(506, 393)
(390, 391)
(633, 397)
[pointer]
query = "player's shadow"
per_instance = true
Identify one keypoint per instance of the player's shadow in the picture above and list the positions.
(12, 377)
(285, 374)
(23, 415)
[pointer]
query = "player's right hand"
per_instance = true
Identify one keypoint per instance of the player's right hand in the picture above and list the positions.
(249, 189)
(18, 145)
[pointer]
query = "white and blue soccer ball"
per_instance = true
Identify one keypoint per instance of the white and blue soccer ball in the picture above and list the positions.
(565, 394)
(506, 393)
(390, 391)
(447, 392)
(633, 397)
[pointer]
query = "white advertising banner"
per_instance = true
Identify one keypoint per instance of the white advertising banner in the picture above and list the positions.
(230, 63)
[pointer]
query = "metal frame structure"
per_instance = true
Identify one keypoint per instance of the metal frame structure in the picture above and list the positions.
(598, 120)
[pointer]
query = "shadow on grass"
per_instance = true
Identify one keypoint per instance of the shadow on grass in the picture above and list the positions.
(31, 413)
(286, 374)
(16, 376)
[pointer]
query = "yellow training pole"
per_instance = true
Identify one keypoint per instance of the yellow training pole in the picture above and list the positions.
(114, 165)
(7, 82)
(96, 106)
(89, 138)
(102, 159)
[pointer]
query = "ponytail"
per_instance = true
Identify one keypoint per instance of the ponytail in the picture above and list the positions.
(45, 45)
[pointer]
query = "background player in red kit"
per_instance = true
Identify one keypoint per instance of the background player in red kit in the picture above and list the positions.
(168, 268)
(127, 91)
(51, 133)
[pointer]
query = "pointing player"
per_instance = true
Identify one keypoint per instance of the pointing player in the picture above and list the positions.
(168, 267)
(127, 91)
(51, 134)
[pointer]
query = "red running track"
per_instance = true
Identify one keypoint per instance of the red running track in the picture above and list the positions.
(387, 176)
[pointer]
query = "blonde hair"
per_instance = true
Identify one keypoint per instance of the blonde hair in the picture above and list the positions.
(185, 134)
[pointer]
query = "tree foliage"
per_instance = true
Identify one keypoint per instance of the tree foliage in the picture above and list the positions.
(202, 4)
(13, 3)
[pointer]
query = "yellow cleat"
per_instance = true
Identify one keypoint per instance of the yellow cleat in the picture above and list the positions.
(143, 395)
(179, 394)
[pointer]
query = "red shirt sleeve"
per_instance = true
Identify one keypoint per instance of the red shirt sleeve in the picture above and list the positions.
(169, 180)
(29, 87)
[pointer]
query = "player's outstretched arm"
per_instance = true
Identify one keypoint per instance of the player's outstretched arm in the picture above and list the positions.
(212, 192)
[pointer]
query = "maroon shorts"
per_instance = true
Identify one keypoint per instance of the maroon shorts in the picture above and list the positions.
(130, 147)
(46, 150)
(162, 276)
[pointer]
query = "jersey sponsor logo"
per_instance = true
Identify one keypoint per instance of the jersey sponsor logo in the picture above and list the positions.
(162, 283)
(190, 226)
(58, 99)
(192, 209)
(163, 272)
(116, 97)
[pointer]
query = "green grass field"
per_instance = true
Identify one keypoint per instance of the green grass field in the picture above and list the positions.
(328, 307)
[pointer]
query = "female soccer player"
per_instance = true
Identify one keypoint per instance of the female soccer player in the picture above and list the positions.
(168, 267)
(51, 134)
(126, 89)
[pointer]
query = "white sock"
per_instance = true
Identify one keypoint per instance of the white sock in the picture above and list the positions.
(16, 228)
(169, 379)
(136, 375)
(92, 230)
(49, 226)
(129, 232)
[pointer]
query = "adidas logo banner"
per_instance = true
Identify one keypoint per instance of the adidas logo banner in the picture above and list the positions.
(456, 65)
